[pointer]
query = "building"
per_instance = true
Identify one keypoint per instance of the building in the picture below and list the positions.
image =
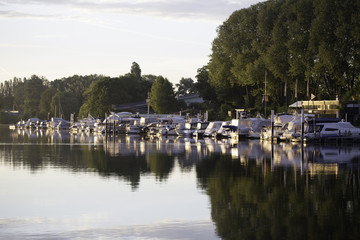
(318, 107)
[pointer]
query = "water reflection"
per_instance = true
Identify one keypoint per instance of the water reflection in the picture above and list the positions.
(257, 190)
(157, 155)
(252, 202)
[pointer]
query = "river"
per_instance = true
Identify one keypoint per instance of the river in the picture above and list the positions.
(54, 185)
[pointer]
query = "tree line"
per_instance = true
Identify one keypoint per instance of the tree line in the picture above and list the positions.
(91, 94)
(301, 47)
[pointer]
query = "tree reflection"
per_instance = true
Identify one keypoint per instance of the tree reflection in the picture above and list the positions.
(161, 165)
(257, 190)
(253, 202)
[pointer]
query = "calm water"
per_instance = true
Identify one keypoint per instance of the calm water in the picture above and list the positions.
(54, 185)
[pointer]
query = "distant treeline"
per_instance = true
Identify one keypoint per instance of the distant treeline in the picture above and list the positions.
(81, 95)
(314, 43)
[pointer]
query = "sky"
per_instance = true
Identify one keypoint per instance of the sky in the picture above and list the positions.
(61, 38)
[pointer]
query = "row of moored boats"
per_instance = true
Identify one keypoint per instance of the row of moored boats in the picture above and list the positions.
(282, 127)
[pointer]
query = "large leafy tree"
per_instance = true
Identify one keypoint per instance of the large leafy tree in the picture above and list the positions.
(104, 93)
(313, 43)
(76, 85)
(98, 99)
(185, 86)
(63, 104)
(135, 70)
(33, 88)
(203, 86)
(45, 100)
(162, 97)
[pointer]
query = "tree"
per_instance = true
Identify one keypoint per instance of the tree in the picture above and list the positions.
(76, 85)
(104, 93)
(135, 70)
(203, 86)
(185, 86)
(65, 103)
(33, 88)
(97, 99)
(313, 42)
(45, 101)
(162, 97)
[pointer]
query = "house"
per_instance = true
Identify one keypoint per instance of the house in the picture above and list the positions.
(318, 107)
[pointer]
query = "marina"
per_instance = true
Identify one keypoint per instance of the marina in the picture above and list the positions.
(297, 127)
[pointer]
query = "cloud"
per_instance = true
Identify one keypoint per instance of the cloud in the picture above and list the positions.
(213, 10)
(16, 14)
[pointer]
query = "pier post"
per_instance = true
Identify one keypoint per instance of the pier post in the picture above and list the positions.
(106, 124)
(114, 124)
(302, 125)
(272, 125)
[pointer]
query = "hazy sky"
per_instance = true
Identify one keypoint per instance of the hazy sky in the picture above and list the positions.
(60, 38)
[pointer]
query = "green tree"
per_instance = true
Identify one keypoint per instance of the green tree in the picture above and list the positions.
(203, 86)
(33, 89)
(19, 96)
(76, 85)
(315, 43)
(106, 92)
(98, 99)
(64, 103)
(235, 62)
(147, 82)
(135, 70)
(162, 97)
(185, 86)
(45, 103)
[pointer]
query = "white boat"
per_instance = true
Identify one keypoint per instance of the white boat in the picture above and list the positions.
(133, 126)
(41, 124)
(31, 122)
(222, 132)
(188, 129)
(212, 128)
(164, 129)
(63, 125)
(257, 124)
(292, 130)
(200, 129)
(75, 128)
(168, 126)
(54, 122)
(248, 127)
(286, 127)
(331, 130)
(20, 124)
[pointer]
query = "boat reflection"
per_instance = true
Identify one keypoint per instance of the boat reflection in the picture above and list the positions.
(303, 157)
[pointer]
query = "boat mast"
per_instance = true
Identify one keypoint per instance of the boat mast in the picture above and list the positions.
(265, 96)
